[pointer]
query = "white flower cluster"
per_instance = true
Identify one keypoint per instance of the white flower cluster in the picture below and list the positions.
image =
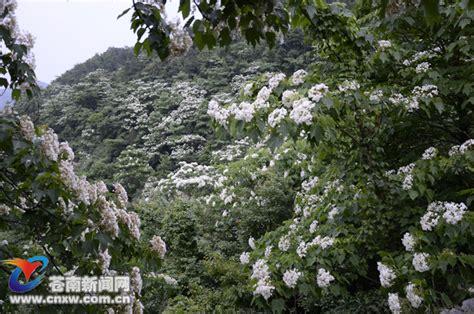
(252, 243)
(348, 86)
(376, 96)
(288, 97)
(324, 278)
(284, 243)
(317, 92)
(290, 277)
(104, 261)
(298, 77)
(136, 282)
(323, 242)
(421, 55)
(275, 117)
(9, 22)
(408, 180)
(461, 149)
(122, 195)
(429, 153)
(158, 245)
(27, 128)
(408, 242)
(244, 258)
(188, 175)
(426, 91)
(420, 262)
(450, 211)
(414, 299)
(218, 113)
(394, 303)
(386, 275)
(4, 209)
(313, 226)
(301, 112)
(309, 184)
(422, 67)
(261, 273)
(275, 80)
(168, 279)
(49, 144)
(384, 44)
(410, 103)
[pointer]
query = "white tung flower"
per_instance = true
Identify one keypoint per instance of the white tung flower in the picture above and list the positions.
(313, 226)
(276, 116)
(104, 261)
(301, 249)
(244, 258)
(324, 278)
(290, 277)
(430, 153)
(284, 244)
(394, 303)
(158, 245)
(420, 262)
(302, 111)
(317, 92)
(386, 275)
(422, 67)
(252, 243)
(408, 242)
(298, 77)
(454, 212)
(288, 97)
(384, 44)
(414, 299)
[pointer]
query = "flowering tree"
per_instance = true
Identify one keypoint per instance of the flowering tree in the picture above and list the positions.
(46, 209)
(376, 201)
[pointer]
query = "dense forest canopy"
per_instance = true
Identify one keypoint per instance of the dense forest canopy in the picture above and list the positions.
(333, 173)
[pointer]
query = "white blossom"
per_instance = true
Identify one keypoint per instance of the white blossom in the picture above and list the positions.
(348, 86)
(252, 243)
(408, 242)
(414, 299)
(420, 262)
(386, 275)
(317, 92)
(275, 80)
(301, 112)
(422, 67)
(284, 244)
(104, 261)
(454, 212)
(158, 245)
(275, 117)
(136, 282)
(298, 77)
(290, 277)
(313, 226)
(324, 278)
(394, 303)
(384, 44)
(244, 258)
(288, 97)
(301, 249)
(430, 153)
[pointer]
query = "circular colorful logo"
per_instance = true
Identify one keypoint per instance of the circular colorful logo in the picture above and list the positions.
(27, 267)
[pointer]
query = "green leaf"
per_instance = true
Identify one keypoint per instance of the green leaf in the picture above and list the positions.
(123, 13)
(278, 305)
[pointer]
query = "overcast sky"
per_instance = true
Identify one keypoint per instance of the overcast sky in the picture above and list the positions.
(69, 32)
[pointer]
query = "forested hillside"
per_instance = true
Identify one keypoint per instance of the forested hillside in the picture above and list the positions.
(135, 118)
(333, 173)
